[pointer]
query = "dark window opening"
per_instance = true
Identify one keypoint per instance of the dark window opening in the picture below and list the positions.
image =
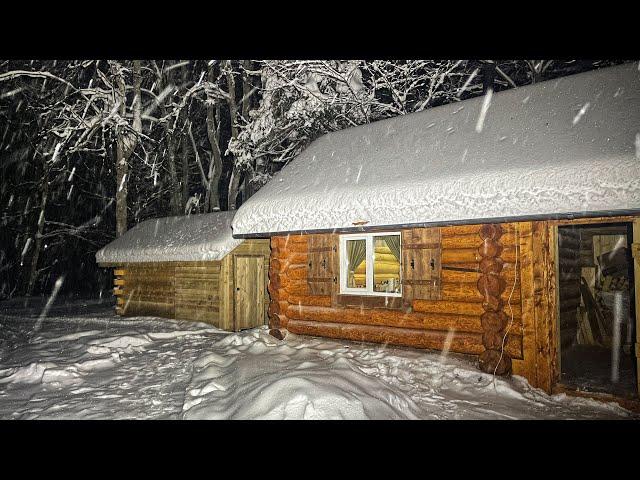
(596, 309)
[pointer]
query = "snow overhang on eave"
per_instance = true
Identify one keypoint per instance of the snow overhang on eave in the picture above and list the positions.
(474, 221)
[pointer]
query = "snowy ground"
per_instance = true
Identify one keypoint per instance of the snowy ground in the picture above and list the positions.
(84, 362)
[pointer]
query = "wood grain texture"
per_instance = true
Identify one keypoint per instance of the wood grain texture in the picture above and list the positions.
(199, 291)
(459, 308)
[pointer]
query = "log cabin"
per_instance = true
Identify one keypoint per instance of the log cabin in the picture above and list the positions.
(190, 268)
(468, 227)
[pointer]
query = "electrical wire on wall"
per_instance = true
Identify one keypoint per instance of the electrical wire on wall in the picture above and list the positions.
(513, 287)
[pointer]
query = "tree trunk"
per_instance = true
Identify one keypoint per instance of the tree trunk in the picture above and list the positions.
(33, 273)
(175, 192)
(488, 76)
(185, 170)
(212, 197)
(234, 181)
(121, 159)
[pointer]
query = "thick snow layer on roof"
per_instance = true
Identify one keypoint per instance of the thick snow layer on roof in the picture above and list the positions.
(569, 145)
(186, 238)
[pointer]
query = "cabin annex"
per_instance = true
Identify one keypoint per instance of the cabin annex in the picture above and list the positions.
(190, 268)
(501, 227)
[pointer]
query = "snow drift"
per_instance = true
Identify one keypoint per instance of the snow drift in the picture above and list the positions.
(84, 362)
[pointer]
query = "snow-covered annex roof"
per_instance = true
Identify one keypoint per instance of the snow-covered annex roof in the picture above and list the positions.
(564, 146)
(187, 238)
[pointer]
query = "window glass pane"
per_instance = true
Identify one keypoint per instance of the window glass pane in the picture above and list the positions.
(386, 264)
(356, 264)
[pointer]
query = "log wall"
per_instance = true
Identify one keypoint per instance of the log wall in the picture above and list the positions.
(181, 290)
(425, 323)
(199, 291)
(569, 274)
(526, 262)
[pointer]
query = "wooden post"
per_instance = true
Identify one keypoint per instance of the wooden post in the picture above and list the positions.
(491, 286)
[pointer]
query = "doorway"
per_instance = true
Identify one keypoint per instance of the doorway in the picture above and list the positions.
(249, 291)
(596, 306)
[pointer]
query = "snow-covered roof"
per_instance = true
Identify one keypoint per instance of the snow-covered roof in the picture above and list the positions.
(564, 146)
(187, 238)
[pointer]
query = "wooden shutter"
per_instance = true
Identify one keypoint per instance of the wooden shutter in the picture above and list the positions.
(321, 255)
(421, 268)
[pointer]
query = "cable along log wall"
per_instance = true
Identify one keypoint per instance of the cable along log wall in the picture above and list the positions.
(475, 269)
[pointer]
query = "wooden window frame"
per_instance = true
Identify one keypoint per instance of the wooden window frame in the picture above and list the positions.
(369, 258)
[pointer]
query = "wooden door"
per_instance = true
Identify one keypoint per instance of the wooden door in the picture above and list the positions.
(635, 249)
(249, 291)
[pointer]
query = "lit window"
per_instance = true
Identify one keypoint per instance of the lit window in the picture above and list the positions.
(370, 264)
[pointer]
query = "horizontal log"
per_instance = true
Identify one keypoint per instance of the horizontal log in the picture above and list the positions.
(292, 258)
(471, 255)
(284, 242)
(197, 315)
(148, 298)
(297, 288)
(456, 230)
(311, 300)
(148, 290)
(204, 285)
(468, 343)
(213, 306)
(291, 247)
(118, 281)
(134, 308)
(188, 296)
(118, 272)
(382, 317)
(166, 280)
(284, 281)
(297, 272)
(197, 279)
(189, 274)
(468, 292)
(470, 266)
(460, 308)
(474, 241)
(212, 268)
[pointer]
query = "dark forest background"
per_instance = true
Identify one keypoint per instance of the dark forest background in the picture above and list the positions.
(89, 148)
